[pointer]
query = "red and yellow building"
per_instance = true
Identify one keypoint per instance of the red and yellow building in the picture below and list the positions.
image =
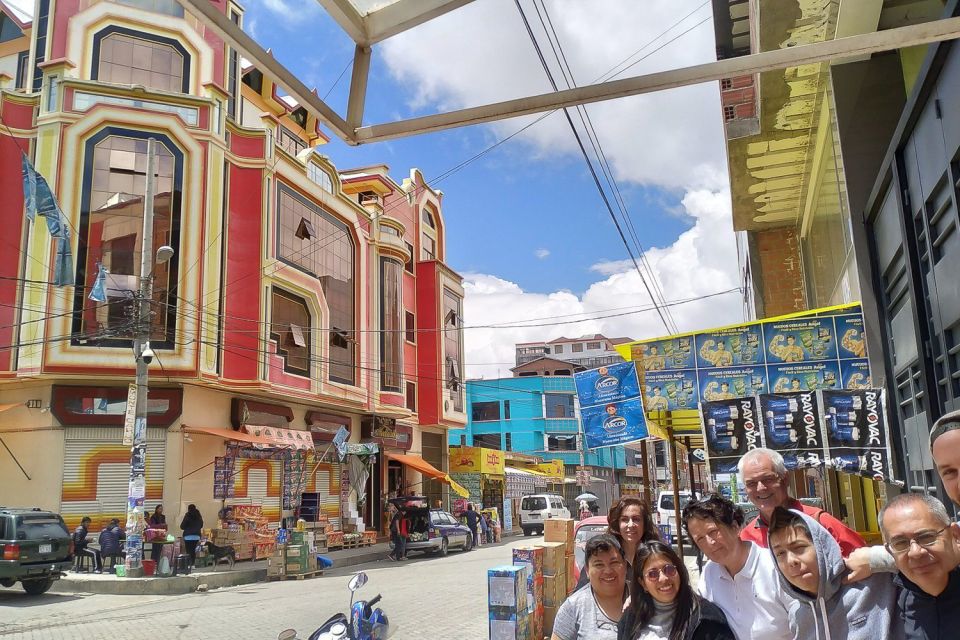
(299, 296)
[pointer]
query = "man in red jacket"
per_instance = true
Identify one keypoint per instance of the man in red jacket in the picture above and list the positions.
(765, 477)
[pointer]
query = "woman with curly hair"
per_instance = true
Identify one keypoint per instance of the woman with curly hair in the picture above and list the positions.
(663, 606)
(630, 522)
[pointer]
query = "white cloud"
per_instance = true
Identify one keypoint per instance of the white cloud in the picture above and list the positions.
(701, 262)
(542, 253)
(481, 53)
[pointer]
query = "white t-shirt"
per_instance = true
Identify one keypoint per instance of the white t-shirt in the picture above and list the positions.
(754, 603)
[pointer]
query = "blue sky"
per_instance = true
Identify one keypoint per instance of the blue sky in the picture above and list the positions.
(526, 226)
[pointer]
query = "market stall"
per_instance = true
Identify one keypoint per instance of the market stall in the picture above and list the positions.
(481, 472)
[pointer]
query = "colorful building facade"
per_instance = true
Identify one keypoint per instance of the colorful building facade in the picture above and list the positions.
(299, 295)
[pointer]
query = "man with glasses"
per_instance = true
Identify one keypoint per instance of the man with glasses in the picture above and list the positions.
(923, 541)
(765, 478)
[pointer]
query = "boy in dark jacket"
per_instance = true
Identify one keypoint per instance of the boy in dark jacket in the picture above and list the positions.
(81, 546)
(811, 569)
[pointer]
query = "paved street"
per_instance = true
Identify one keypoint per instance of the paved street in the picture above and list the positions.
(426, 597)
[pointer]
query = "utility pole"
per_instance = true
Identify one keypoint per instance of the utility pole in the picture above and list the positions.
(143, 355)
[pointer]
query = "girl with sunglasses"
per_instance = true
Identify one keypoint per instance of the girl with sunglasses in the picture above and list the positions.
(663, 605)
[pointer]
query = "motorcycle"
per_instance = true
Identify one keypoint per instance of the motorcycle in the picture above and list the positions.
(365, 622)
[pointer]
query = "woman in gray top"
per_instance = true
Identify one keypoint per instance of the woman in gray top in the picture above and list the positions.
(593, 613)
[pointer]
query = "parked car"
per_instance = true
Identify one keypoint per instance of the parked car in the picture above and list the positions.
(666, 513)
(436, 531)
(536, 508)
(582, 532)
(35, 548)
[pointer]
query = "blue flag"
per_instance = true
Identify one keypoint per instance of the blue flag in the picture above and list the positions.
(29, 187)
(99, 291)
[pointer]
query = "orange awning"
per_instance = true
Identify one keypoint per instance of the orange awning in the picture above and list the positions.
(427, 469)
(229, 434)
(4, 407)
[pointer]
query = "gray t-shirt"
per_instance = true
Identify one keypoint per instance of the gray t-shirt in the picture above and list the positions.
(580, 618)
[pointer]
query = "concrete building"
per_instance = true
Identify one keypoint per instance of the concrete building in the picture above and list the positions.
(299, 296)
(844, 186)
(538, 415)
(588, 352)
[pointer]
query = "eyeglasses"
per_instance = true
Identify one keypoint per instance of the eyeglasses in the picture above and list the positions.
(767, 480)
(925, 539)
(654, 574)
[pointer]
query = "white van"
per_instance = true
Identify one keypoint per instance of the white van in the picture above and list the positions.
(666, 514)
(538, 507)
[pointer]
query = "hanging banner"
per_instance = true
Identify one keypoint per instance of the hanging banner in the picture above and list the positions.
(727, 384)
(223, 477)
(130, 415)
(613, 424)
(670, 390)
(857, 433)
(611, 410)
(792, 426)
(613, 383)
(731, 429)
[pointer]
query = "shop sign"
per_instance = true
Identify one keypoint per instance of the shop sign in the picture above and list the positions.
(477, 460)
(583, 478)
(387, 432)
(553, 468)
(634, 472)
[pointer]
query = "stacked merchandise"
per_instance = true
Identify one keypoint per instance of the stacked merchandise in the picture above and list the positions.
(507, 603)
(558, 578)
(334, 539)
(298, 557)
(319, 530)
(532, 558)
(248, 532)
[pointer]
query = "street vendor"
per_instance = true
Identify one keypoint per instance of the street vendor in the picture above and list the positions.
(157, 521)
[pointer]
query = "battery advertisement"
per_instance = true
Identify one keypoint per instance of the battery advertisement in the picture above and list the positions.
(792, 426)
(730, 428)
(857, 434)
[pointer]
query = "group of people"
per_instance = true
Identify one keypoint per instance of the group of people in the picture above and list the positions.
(482, 528)
(111, 538)
(793, 572)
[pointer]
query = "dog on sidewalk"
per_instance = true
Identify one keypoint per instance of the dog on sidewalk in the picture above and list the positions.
(221, 553)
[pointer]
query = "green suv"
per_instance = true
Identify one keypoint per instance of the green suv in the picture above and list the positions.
(35, 548)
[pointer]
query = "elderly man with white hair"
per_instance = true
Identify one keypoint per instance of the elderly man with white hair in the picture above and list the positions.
(765, 477)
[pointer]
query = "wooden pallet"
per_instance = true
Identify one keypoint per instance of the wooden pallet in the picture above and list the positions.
(297, 576)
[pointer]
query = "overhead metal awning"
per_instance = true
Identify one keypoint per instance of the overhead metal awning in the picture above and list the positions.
(371, 21)
(259, 437)
(427, 469)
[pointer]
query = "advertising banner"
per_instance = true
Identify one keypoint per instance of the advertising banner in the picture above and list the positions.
(731, 429)
(819, 349)
(792, 426)
(670, 390)
(613, 383)
(614, 423)
(857, 433)
(611, 409)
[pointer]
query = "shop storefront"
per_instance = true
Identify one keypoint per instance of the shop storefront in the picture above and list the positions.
(386, 477)
(415, 463)
(482, 473)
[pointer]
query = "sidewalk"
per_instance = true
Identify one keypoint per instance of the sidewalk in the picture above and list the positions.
(242, 573)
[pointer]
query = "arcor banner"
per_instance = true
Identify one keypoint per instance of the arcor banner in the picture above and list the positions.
(611, 409)
(792, 426)
(857, 434)
(731, 428)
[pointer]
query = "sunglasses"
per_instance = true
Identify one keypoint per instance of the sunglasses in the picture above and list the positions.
(654, 574)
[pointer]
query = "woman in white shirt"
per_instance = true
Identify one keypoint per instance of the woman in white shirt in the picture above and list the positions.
(739, 577)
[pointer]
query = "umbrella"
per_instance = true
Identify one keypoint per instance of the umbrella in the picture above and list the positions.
(588, 497)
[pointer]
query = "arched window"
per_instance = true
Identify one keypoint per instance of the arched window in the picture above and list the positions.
(111, 222)
(391, 324)
(428, 238)
(316, 242)
(124, 56)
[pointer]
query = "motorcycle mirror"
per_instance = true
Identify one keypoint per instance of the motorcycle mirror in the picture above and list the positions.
(358, 580)
(287, 634)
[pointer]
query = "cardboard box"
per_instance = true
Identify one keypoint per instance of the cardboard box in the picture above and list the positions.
(276, 570)
(507, 587)
(530, 556)
(294, 567)
(554, 558)
(535, 593)
(517, 627)
(558, 530)
(536, 623)
(554, 590)
(549, 615)
(571, 577)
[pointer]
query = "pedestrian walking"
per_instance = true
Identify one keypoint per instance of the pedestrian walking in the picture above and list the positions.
(484, 529)
(398, 533)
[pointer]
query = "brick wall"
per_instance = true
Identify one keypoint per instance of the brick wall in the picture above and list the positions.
(781, 272)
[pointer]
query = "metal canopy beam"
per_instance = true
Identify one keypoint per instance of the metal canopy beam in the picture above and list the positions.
(389, 20)
(858, 45)
(262, 60)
